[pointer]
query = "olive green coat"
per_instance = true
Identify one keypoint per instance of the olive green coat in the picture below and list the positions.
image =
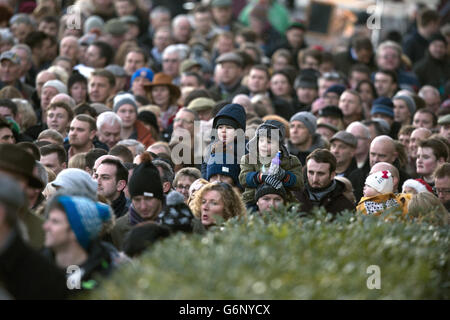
(290, 163)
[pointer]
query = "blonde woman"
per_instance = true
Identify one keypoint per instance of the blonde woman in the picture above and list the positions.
(426, 206)
(217, 199)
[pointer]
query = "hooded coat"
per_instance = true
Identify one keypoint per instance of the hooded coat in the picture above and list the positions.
(250, 171)
(234, 113)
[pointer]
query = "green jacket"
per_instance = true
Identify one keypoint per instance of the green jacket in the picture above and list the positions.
(290, 163)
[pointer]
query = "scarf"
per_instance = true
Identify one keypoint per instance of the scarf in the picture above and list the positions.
(317, 194)
(135, 218)
(119, 205)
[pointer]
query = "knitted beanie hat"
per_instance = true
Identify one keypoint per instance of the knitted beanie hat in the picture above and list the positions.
(58, 85)
(146, 181)
(122, 99)
(307, 118)
(381, 181)
(86, 217)
(76, 182)
(176, 214)
(264, 189)
(409, 102)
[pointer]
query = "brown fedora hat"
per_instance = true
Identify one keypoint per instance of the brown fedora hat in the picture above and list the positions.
(162, 79)
(16, 160)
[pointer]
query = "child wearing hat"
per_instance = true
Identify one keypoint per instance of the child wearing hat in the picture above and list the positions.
(229, 137)
(378, 194)
(415, 186)
(267, 144)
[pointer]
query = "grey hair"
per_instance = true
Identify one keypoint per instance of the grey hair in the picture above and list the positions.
(6, 36)
(108, 117)
(426, 89)
(389, 44)
(168, 174)
(22, 18)
(133, 143)
(42, 173)
(159, 10)
(25, 48)
(180, 17)
(359, 124)
(181, 50)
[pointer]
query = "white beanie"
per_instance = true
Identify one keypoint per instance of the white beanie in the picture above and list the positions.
(381, 181)
(58, 85)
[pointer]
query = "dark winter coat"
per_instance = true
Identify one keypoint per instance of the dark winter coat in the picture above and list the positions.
(237, 114)
(433, 72)
(334, 202)
(26, 274)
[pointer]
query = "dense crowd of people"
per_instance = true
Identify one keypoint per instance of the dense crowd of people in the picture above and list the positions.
(123, 122)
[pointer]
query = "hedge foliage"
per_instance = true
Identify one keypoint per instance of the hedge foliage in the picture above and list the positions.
(286, 256)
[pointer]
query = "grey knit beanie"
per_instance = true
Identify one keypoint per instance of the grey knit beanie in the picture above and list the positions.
(409, 103)
(125, 98)
(307, 118)
(58, 85)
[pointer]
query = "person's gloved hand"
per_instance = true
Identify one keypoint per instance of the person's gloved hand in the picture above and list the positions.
(280, 174)
(273, 181)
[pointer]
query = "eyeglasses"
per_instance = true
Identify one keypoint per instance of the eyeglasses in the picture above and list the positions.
(444, 191)
(181, 187)
(170, 60)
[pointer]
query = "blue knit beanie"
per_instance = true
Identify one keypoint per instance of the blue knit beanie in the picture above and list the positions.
(225, 164)
(142, 72)
(86, 217)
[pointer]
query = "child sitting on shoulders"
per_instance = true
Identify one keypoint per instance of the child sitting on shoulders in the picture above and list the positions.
(263, 148)
(379, 194)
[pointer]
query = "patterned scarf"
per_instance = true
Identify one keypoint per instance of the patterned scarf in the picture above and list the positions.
(135, 218)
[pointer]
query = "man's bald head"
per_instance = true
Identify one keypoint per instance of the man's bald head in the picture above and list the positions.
(383, 149)
(244, 101)
(41, 78)
(380, 166)
(417, 135)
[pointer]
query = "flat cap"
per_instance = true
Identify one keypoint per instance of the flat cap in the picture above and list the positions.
(230, 57)
(345, 137)
(201, 104)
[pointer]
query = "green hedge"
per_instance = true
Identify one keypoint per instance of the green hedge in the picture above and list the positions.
(284, 256)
